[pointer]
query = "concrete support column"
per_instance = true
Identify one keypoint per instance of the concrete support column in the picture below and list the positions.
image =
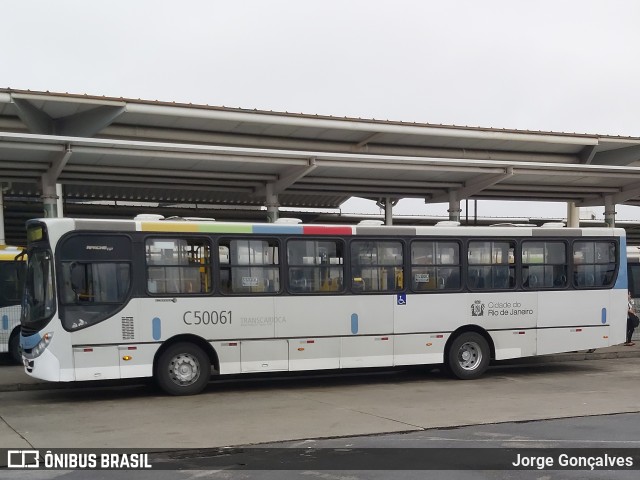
(273, 212)
(49, 199)
(49, 181)
(573, 215)
(454, 207)
(388, 211)
(609, 211)
(388, 203)
(60, 202)
(2, 237)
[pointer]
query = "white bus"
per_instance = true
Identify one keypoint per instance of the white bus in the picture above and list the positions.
(12, 268)
(176, 299)
(633, 269)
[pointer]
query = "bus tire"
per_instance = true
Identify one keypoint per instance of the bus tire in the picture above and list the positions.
(183, 369)
(15, 353)
(468, 356)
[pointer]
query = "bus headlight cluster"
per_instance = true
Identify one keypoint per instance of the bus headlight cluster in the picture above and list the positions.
(40, 347)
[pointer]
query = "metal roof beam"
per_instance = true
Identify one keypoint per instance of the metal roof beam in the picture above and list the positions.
(57, 166)
(99, 146)
(587, 154)
(550, 188)
(272, 118)
(472, 187)
(291, 177)
(166, 182)
(368, 139)
(81, 124)
(620, 156)
(144, 184)
(196, 174)
(386, 183)
(627, 193)
(543, 196)
(35, 119)
(87, 123)
(261, 141)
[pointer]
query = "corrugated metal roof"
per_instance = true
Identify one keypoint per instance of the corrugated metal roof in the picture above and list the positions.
(77, 102)
(132, 149)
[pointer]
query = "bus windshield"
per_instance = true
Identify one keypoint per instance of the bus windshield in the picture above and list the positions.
(38, 304)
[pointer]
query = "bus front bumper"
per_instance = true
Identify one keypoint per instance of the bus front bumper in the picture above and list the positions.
(44, 367)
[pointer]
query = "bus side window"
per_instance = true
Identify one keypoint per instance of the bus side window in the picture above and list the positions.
(376, 266)
(315, 266)
(178, 266)
(491, 265)
(594, 263)
(253, 266)
(427, 272)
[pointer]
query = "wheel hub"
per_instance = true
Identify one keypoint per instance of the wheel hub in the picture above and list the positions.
(184, 369)
(469, 356)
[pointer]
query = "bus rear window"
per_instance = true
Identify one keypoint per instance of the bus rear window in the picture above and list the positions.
(594, 263)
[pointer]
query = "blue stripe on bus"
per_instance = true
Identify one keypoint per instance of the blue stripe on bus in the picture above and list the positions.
(278, 229)
(604, 315)
(156, 328)
(354, 323)
(623, 279)
(5, 322)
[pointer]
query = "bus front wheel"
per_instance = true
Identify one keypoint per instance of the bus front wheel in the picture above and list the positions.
(14, 347)
(183, 369)
(468, 356)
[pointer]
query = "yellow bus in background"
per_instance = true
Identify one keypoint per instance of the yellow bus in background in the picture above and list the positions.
(12, 274)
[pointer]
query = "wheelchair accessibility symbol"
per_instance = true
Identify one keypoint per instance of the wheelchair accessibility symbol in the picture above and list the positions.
(402, 299)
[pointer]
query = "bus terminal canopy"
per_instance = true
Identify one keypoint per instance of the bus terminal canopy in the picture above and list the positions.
(101, 148)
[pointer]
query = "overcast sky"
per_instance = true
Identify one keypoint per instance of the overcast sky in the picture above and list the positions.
(552, 65)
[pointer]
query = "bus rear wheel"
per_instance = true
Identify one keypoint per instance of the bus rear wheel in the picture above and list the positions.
(183, 369)
(468, 356)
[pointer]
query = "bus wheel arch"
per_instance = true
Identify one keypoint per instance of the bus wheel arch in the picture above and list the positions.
(15, 353)
(468, 352)
(182, 365)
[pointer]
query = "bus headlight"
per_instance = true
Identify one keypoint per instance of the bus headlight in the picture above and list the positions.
(40, 347)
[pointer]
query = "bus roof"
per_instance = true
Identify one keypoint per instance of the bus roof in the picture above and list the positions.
(288, 227)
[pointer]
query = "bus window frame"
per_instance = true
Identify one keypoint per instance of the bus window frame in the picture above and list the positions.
(462, 251)
(279, 240)
(515, 241)
(382, 238)
(213, 257)
(617, 259)
(288, 291)
(568, 263)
